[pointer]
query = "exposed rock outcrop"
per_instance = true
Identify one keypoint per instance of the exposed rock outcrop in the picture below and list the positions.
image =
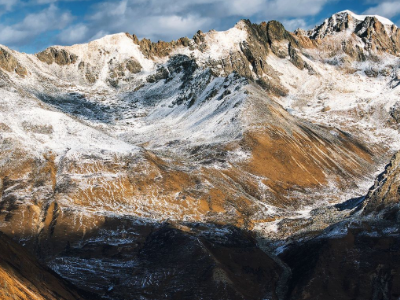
(377, 34)
(10, 64)
(121, 70)
(251, 61)
(395, 113)
(159, 49)
(58, 56)
(384, 196)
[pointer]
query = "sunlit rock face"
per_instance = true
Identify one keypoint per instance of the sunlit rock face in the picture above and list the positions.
(155, 169)
(22, 276)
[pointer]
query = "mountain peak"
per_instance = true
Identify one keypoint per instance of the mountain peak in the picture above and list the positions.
(381, 19)
(348, 22)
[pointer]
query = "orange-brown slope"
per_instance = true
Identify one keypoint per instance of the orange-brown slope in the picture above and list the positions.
(22, 277)
(289, 164)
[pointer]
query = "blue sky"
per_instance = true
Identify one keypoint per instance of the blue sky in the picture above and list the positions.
(33, 25)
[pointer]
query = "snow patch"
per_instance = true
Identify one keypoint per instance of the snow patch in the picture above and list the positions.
(383, 20)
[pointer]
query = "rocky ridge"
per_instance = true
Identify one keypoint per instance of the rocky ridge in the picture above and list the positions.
(383, 197)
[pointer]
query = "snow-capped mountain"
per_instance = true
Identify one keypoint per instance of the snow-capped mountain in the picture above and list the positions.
(252, 129)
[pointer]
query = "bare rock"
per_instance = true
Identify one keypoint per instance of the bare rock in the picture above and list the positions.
(384, 196)
(161, 48)
(372, 72)
(133, 66)
(162, 73)
(10, 64)
(326, 109)
(295, 58)
(58, 56)
(199, 37)
(395, 112)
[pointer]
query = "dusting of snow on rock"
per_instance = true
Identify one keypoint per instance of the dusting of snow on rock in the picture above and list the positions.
(383, 20)
(222, 43)
(219, 44)
(118, 46)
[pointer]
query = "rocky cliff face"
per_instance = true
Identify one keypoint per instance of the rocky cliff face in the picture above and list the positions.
(361, 255)
(10, 64)
(384, 197)
(377, 34)
(58, 56)
(139, 159)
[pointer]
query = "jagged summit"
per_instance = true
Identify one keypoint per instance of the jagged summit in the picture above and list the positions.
(381, 19)
(347, 21)
(373, 34)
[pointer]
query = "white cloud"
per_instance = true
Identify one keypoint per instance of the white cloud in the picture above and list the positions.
(388, 9)
(74, 34)
(180, 26)
(98, 35)
(145, 18)
(51, 1)
(294, 24)
(167, 20)
(244, 8)
(8, 5)
(43, 1)
(154, 19)
(11, 36)
(51, 18)
(275, 8)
